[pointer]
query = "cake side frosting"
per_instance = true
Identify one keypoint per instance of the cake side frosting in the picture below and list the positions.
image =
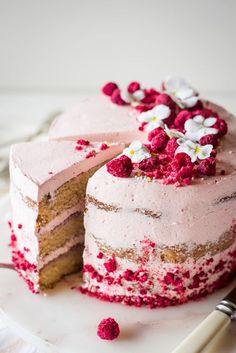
(160, 244)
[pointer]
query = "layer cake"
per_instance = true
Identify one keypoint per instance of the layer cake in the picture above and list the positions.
(48, 181)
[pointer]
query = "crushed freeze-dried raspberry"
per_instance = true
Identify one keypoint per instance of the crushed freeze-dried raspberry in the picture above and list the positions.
(108, 329)
(110, 264)
(207, 167)
(120, 167)
(100, 255)
(20, 226)
(103, 147)
(148, 164)
(109, 88)
(82, 142)
(78, 148)
(91, 154)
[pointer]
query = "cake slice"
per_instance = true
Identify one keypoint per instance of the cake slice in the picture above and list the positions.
(48, 183)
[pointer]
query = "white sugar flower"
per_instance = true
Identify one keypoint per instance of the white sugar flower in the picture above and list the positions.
(173, 133)
(136, 152)
(194, 150)
(180, 90)
(132, 98)
(198, 127)
(154, 117)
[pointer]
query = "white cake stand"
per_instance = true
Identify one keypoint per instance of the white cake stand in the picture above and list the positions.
(66, 321)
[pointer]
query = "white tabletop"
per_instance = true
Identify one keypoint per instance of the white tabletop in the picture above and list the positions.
(20, 117)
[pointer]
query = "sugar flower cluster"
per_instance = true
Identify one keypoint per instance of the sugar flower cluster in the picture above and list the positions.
(182, 135)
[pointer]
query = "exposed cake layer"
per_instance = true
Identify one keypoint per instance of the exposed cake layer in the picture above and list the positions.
(66, 197)
(151, 280)
(68, 263)
(37, 279)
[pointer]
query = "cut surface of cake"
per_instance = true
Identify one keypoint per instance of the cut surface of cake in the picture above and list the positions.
(48, 182)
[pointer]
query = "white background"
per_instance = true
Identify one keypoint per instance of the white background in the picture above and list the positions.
(70, 45)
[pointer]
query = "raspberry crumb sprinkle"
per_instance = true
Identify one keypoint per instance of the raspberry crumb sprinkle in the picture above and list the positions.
(91, 154)
(108, 329)
(103, 147)
(82, 142)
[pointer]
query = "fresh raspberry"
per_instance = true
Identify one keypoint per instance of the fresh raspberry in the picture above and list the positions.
(108, 329)
(150, 97)
(182, 167)
(154, 133)
(165, 99)
(221, 126)
(198, 105)
(207, 167)
(159, 141)
(181, 160)
(110, 265)
(120, 167)
(133, 87)
(204, 112)
(171, 147)
(109, 88)
(209, 140)
(148, 164)
(82, 142)
(116, 98)
(181, 118)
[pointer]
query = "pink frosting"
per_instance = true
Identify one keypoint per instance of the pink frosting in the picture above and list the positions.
(41, 167)
(97, 119)
(188, 215)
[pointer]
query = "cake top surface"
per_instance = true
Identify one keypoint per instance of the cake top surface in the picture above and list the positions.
(176, 135)
(48, 164)
(95, 118)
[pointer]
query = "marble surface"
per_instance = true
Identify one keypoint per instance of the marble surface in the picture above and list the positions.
(65, 321)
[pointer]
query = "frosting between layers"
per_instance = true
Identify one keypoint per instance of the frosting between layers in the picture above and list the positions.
(43, 261)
